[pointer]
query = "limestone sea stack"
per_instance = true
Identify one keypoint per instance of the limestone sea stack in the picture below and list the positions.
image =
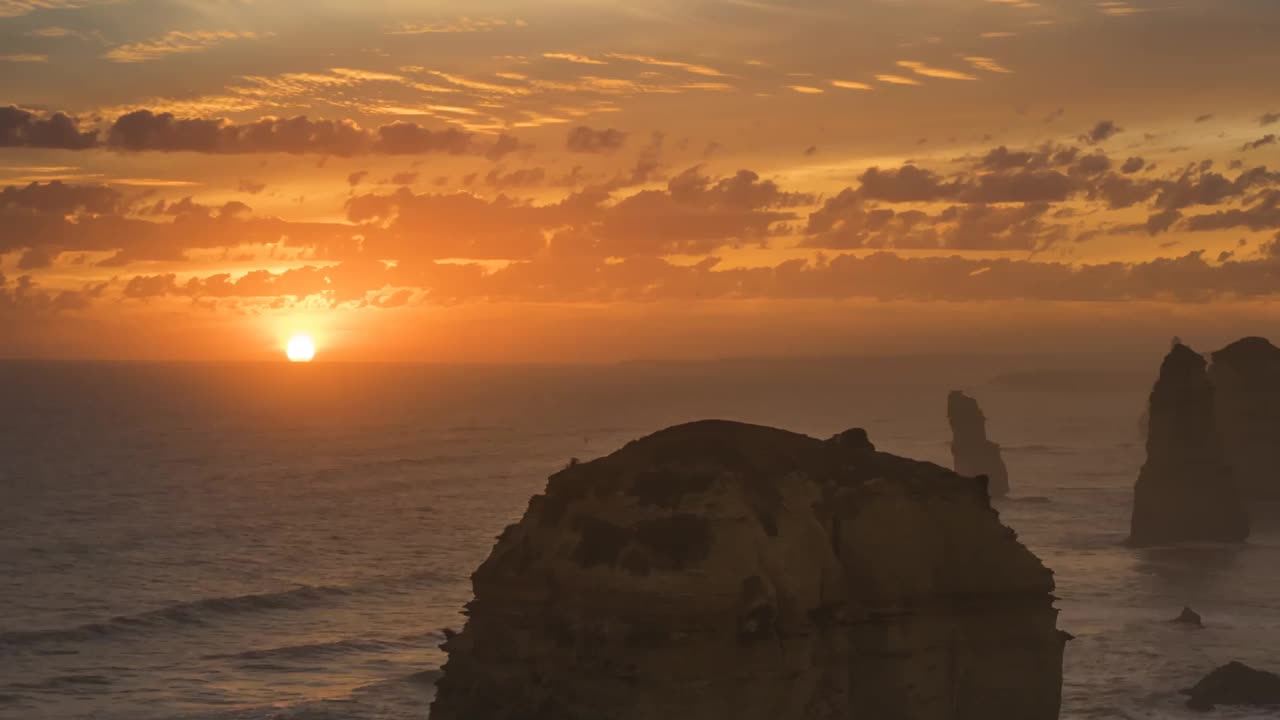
(1235, 684)
(721, 570)
(1246, 381)
(972, 453)
(1186, 489)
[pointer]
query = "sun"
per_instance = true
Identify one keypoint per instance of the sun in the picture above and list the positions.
(301, 348)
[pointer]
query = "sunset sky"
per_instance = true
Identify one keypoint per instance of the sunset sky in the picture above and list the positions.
(594, 180)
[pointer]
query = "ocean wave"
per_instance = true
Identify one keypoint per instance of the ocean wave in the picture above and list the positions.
(198, 612)
(64, 682)
(330, 649)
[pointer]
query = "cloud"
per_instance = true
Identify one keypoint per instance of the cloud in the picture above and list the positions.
(882, 276)
(850, 85)
(847, 221)
(583, 139)
(687, 67)
(1120, 9)
(524, 177)
(144, 130)
(897, 80)
(986, 63)
(920, 68)
(1269, 139)
(502, 146)
(1269, 119)
(906, 184)
(60, 199)
(573, 58)
(24, 58)
(54, 217)
(457, 25)
(1101, 132)
(16, 8)
(25, 296)
(174, 43)
(23, 128)
(1264, 214)
(805, 89)
(693, 214)
(52, 31)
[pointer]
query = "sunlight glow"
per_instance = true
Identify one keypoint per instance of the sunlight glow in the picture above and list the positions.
(301, 348)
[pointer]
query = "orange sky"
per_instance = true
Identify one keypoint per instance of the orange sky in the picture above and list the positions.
(591, 180)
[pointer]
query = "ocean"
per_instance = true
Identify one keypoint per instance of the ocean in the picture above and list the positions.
(271, 541)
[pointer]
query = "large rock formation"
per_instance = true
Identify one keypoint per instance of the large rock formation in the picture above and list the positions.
(1186, 490)
(1246, 380)
(972, 453)
(720, 570)
(1235, 684)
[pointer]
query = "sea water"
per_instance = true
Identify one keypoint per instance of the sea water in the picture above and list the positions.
(272, 541)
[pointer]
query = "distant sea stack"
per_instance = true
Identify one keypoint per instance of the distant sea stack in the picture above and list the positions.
(972, 453)
(1246, 381)
(721, 570)
(1186, 489)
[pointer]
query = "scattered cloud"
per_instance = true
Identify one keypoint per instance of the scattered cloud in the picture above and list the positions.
(24, 58)
(1101, 132)
(174, 43)
(52, 31)
(687, 67)
(16, 8)
(1119, 9)
(920, 68)
(457, 25)
(986, 63)
(897, 80)
(850, 85)
(583, 139)
(24, 128)
(574, 58)
(1269, 139)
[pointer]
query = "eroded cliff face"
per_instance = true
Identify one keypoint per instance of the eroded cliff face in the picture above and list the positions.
(1246, 380)
(719, 570)
(1186, 489)
(971, 452)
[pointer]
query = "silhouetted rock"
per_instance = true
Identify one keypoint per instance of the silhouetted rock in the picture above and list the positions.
(720, 570)
(1188, 617)
(972, 453)
(1186, 490)
(1246, 380)
(1235, 684)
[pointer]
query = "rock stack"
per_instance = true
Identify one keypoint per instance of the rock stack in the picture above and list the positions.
(1186, 489)
(972, 453)
(1246, 381)
(721, 570)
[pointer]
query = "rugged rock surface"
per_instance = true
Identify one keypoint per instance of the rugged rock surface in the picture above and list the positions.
(972, 453)
(1186, 490)
(1189, 617)
(720, 570)
(1246, 380)
(1235, 684)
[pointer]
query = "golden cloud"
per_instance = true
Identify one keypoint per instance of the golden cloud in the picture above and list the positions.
(174, 43)
(920, 68)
